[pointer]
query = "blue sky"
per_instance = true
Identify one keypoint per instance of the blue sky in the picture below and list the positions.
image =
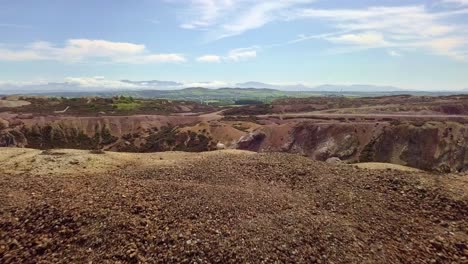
(405, 43)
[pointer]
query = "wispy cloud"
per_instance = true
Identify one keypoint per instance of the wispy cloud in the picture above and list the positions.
(242, 54)
(77, 50)
(393, 53)
(226, 18)
(207, 84)
(234, 55)
(457, 2)
(365, 38)
(401, 27)
(98, 82)
(395, 27)
(209, 58)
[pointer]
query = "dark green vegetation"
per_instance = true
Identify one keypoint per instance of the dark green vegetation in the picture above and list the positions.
(52, 136)
(229, 96)
(170, 138)
(117, 105)
(122, 102)
(223, 96)
(248, 102)
(58, 136)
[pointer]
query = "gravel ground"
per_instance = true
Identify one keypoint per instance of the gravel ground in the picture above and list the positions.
(229, 207)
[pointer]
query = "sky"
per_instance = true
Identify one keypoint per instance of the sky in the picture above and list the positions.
(412, 44)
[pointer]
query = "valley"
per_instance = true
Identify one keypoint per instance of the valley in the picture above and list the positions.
(427, 133)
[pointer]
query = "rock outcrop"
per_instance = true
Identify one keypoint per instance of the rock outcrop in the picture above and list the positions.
(428, 145)
(131, 134)
(439, 146)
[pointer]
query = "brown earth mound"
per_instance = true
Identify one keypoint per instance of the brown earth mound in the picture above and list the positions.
(422, 105)
(234, 208)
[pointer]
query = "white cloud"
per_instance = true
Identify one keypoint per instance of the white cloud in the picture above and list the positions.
(69, 84)
(241, 54)
(447, 43)
(234, 55)
(21, 55)
(225, 18)
(367, 38)
(394, 53)
(403, 20)
(400, 27)
(458, 2)
(209, 58)
(87, 47)
(210, 84)
(99, 83)
(449, 46)
(76, 50)
(396, 27)
(152, 58)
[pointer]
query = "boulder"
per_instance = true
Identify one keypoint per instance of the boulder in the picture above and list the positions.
(334, 160)
(220, 146)
(251, 142)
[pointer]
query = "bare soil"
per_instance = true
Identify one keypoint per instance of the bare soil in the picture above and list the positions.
(224, 207)
(385, 166)
(13, 103)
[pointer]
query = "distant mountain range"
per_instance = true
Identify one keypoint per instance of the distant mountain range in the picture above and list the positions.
(294, 87)
(356, 88)
(87, 85)
(321, 88)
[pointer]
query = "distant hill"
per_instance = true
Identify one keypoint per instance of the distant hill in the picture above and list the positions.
(199, 94)
(322, 88)
(294, 87)
(356, 88)
(183, 91)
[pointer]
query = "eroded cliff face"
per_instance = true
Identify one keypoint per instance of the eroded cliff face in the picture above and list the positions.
(133, 134)
(431, 146)
(440, 146)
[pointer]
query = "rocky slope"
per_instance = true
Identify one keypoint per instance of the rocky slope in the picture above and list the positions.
(441, 146)
(428, 145)
(121, 133)
(224, 207)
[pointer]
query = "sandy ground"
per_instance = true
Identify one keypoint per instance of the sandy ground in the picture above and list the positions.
(13, 103)
(385, 166)
(72, 161)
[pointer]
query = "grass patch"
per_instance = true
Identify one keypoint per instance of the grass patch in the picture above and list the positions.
(127, 106)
